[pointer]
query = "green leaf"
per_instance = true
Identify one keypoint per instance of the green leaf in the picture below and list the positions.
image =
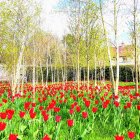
(58, 129)
(35, 134)
(22, 128)
(20, 137)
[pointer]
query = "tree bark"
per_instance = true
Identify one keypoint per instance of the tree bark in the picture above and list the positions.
(47, 72)
(18, 68)
(77, 44)
(95, 82)
(117, 52)
(135, 45)
(34, 73)
(84, 75)
(42, 76)
(108, 48)
(23, 77)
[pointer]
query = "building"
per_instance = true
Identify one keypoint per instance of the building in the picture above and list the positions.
(126, 55)
(3, 74)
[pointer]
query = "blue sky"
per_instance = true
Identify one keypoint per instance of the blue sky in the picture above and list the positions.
(53, 21)
(57, 22)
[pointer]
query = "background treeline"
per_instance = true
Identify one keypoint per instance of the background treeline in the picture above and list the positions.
(83, 54)
(126, 74)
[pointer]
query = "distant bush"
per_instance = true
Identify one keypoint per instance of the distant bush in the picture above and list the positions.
(126, 74)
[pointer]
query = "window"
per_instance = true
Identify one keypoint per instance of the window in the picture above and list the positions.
(124, 59)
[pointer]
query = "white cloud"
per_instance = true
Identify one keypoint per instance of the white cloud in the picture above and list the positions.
(57, 22)
(53, 21)
(124, 19)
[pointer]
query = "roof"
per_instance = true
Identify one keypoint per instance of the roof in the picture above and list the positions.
(124, 51)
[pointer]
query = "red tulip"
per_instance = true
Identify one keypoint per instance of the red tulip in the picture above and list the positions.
(104, 105)
(40, 108)
(138, 107)
(125, 106)
(57, 118)
(116, 103)
(96, 102)
(2, 126)
(65, 100)
(87, 103)
(10, 113)
(21, 114)
(131, 134)
(116, 97)
(70, 122)
(3, 115)
(9, 117)
(45, 117)
(31, 110)
(44, 98)
(71, 111)
(107, 101)
(75, 103)
(43, 112)
(33, 104)
(26, 105)
(129, 104)
(72, 106)
(13, 137)
(94, 109)
(117, 137)
(52, 104)
(102, 98)
(4, 100)
(46, 137)
(60, 101)
(56, 109)
(32, 115)
(78, 108)
(84, 115)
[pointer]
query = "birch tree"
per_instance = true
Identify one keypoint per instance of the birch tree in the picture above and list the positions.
(18, 23)
(106, 43)
(75, 23)
(135, 44)
(116, 44)
(89, 23)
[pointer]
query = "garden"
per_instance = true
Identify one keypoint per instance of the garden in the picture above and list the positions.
(61, 112)
(69, 70)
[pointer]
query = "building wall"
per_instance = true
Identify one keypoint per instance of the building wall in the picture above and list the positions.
(124, 61)
(3, 74)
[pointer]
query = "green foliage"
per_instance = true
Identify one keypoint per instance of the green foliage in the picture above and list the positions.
(102, 125)
(18, 19)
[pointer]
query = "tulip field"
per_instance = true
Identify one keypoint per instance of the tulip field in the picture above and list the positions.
(61, 112)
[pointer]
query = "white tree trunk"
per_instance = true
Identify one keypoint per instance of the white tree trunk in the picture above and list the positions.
(42, 76)
(116, 44)
(23, 77)
(18, 68)
(108, 47)
(47, 72)
(95, 65)
(84, 75)
(88, 75)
